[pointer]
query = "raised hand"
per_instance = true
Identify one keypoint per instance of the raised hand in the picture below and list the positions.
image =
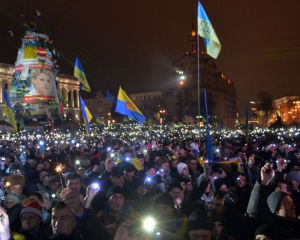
(266, 173)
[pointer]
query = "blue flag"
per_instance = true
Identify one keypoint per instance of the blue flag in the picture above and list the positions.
(109, 97)
(208, 139)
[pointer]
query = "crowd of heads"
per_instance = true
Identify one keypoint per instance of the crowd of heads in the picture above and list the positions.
(248, 190)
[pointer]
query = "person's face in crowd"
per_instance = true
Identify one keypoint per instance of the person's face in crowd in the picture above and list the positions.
(40, 166)
(174, 163)
(224, 188)
(240, 181)
(177, 195)
(128, 176)
(217, 205)
(185, 172)
(74, 183)
(189, 186)
(62, 221)
(217, 230)
(262, 237)
(30, 221)
(53, 186)
(86, 162)
(45, 181)
(112, 228)
(8, 203)
(2, 162)
(117, 181)
(193, 165)
(16, 172)
(141, 190)
(42, 175)
(282, 187)
(200, 234)
(127, 154)
(81, 172)
(116, 202)
(207, 188)
(286, 208)
(42, 83)
(142, 161)
(163, 212)
(16, 189)
(165, 166)
(151, 172)
(47, 164)
(32, 164)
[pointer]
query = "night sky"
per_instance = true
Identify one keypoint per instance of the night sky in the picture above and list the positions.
(133, 43)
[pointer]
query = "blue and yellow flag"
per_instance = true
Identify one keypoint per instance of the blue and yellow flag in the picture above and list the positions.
(206, 30)
(126, 107)
(9, 115)
(87, 116)
(78, 73)
(150, 124)
(100, 120)
(109, 97)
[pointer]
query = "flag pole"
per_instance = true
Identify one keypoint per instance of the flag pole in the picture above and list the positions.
(198, 66)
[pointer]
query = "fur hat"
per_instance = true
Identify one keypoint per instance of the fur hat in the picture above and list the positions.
(32, 207)
(15, 180)
(274, 200)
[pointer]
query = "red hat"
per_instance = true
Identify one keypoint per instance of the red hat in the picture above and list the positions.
(32, 207)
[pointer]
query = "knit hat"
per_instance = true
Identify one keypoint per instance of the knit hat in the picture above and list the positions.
(274, 200)
(199, 220)
(180, 167)
(114, 189)
(13, 196)
(266, 230)
(294, 175)
(15, 180)
(16, 166)
(164, 198)
(32, 207)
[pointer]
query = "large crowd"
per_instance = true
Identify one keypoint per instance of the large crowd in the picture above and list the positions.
(125, 182)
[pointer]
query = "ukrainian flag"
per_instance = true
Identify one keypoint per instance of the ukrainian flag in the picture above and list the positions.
(87, 116)
(10, 118)
(206, 30)
(78, 73)
(100, 120)
(126, 107)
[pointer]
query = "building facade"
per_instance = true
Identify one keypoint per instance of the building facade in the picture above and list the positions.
(220, 90)
(68, 88)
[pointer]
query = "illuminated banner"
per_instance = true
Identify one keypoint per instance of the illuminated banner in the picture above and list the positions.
(33, 85)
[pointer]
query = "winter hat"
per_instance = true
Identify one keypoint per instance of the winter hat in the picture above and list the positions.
(274, 200)
(114, 189)
(13, 196)
(166, 199)
(14, 180)
(199, 220)
(180, 167)
(32, 207)
(294, 176)
(266, 230)
(16, 166)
